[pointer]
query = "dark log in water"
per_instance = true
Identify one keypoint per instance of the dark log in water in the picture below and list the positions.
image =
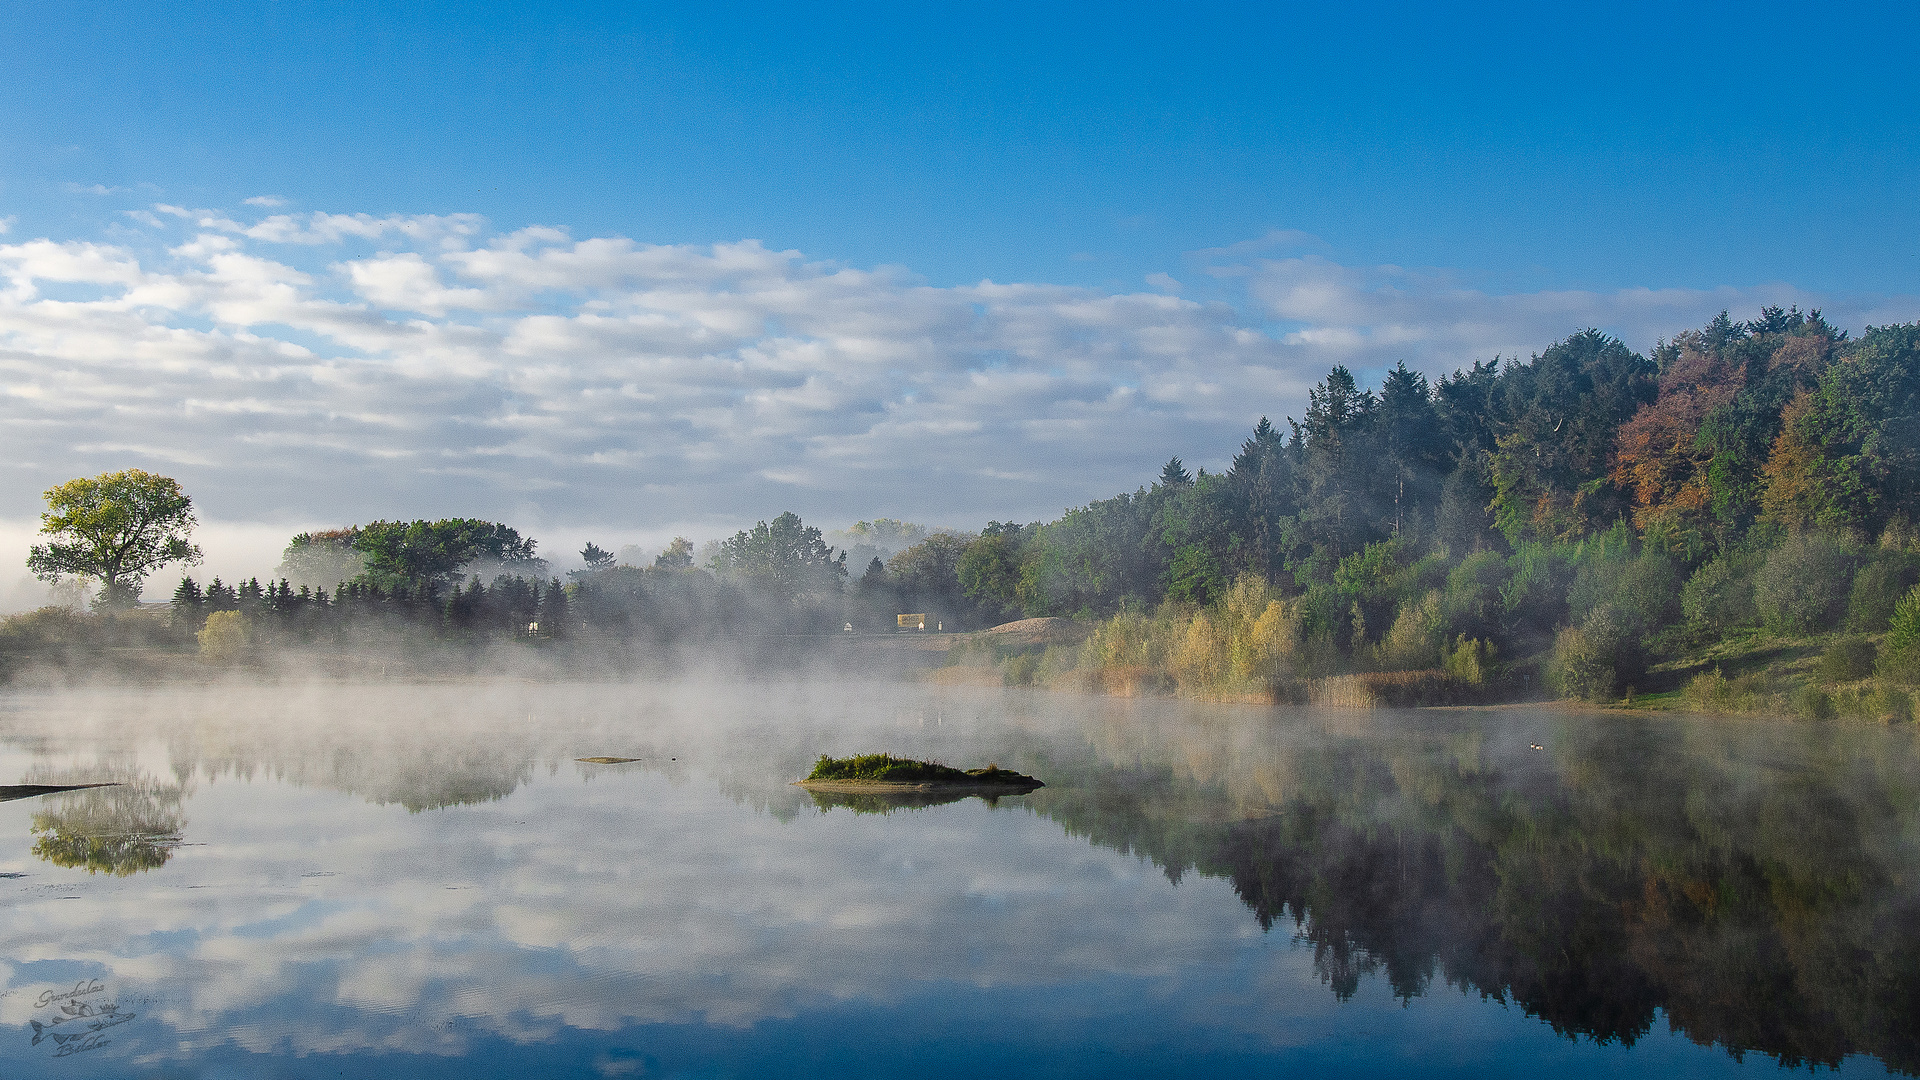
(28, 791)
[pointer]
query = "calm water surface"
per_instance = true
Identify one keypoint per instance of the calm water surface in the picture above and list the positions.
(422, 881)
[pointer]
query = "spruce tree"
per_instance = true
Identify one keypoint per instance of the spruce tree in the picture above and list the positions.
(189, 604)
(553, 610)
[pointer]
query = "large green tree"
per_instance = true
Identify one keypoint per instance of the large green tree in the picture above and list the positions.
(989, 570)
(115, 528)
(421, 553)
(787, 558)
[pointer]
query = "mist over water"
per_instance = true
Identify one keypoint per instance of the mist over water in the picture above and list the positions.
(327, 878)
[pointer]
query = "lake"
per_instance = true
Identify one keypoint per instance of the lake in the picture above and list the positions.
(371, 881)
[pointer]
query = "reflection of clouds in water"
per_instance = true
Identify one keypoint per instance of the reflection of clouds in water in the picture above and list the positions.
(696, 885)
(642, 895)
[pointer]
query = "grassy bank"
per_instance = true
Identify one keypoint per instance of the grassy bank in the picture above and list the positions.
(1256, 645)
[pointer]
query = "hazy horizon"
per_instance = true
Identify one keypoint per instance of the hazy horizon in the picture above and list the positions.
(620, 275)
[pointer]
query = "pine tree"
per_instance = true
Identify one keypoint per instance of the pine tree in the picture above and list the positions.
(189, 604)
(553, 610)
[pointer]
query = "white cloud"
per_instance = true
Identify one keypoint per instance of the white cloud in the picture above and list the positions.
(1268, 241)
(266, 200)
(323, 228)
(1371, 317)
(551, 381)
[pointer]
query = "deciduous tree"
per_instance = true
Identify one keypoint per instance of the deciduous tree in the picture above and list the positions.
(116, 529)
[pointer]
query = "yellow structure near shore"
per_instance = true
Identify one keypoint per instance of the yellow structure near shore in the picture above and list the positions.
(913, 622)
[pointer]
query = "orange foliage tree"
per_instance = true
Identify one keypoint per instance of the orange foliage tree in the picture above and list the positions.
(1659, 457)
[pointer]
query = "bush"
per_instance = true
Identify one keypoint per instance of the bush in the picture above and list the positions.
(1246, 643)
(1900, 653)
(1472, 601)
(1470, 661)
(1719, 596)
(1892, 704)
(1645, 587)
(1580, 667)
(879, 768)
(1876, 701)
(225, 637)
(1537, 591)
(1812, 703)
(1847, 659)
(1804, 584)
(1418, 638)
(1878, 587)
(1600, 658)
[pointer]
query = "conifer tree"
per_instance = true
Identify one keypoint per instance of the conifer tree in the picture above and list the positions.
(553, 610)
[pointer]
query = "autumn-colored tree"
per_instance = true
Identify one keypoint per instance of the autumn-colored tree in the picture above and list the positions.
(1660, 457)
(1792, 495)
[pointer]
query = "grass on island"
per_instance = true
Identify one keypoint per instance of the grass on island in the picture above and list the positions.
(887, 769)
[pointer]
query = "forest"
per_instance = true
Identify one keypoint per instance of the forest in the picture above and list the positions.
(1727, 524)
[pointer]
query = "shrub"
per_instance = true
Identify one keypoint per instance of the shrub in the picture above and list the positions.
(1600, 657)
(1470, 660)
(1126, 640)
(1900, 653)
(1246, 643)
(1847, 659)
(1804, 584)
(1537, 591)
(1878, 587)
(1199, 661)
(1645, 587)
(1892, 704)
(1719, 596)
(1812, 703)
(1579, 667)
(1472, 601)
(1875, 701)
(1418, 638)
(1273, 641)
(1019, 669)
(880, 768)
(225, 637)
(1711, 691)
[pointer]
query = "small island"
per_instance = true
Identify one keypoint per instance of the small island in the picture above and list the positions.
(884, 774)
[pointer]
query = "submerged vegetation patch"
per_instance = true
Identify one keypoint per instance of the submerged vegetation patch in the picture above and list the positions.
(883, 769)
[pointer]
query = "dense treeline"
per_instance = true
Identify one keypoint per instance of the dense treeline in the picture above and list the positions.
(1573, 520)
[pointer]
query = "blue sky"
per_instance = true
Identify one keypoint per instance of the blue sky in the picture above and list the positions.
(1246, 194)
(1587, 146)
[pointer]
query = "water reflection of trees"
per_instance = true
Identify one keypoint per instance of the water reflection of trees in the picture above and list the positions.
(1755, 886)
(866, 802)
(120, 830)
(424, 772)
